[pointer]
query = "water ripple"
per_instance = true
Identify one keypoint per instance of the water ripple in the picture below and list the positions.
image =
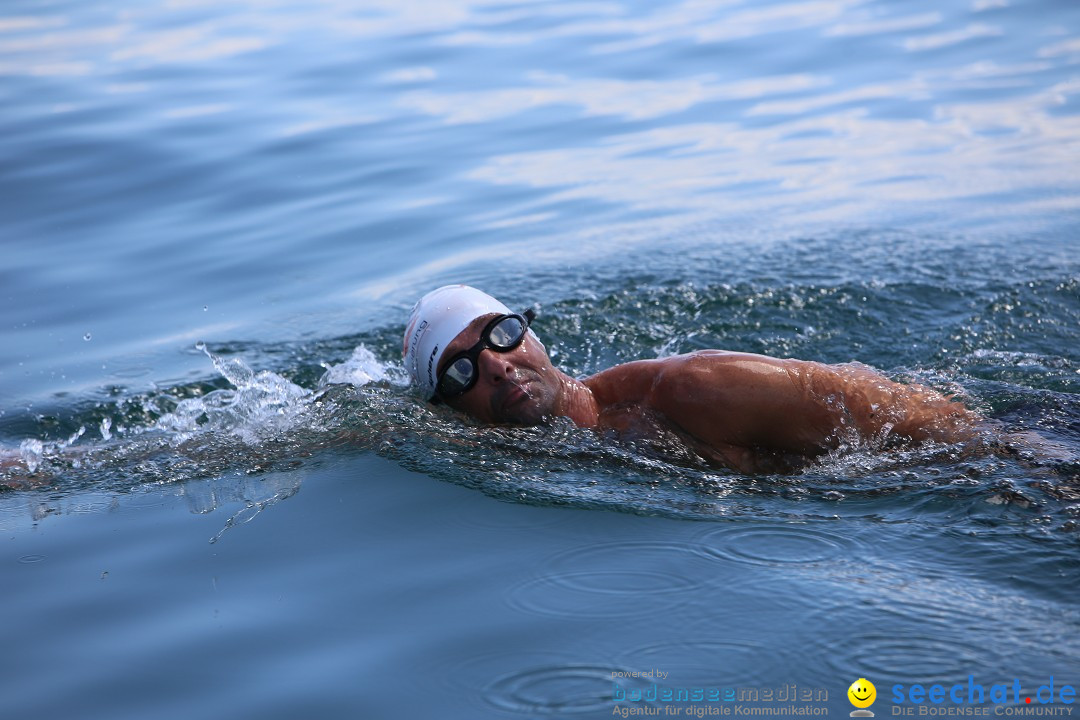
(932, 627)
(548, 690)
(776, 545)
(611, 580)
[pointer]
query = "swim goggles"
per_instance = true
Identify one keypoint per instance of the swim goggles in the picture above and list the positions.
(502, 334)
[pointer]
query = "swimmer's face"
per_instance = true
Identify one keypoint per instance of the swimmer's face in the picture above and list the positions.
(517, 387)
(862, 693)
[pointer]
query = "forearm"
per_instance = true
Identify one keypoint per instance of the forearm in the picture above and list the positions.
(879, 408)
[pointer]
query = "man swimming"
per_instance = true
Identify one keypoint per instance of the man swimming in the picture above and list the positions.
(750, 413)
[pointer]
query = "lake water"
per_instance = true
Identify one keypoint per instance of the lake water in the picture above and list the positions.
(215, 217)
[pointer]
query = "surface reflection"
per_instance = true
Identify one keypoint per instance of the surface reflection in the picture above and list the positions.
(963, 151)
(634, 100)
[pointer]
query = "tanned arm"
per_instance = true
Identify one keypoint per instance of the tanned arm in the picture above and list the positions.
(751, 409)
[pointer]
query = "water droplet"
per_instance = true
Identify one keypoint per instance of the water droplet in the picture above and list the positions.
(86, 337)
(205, 308)
(32, 451)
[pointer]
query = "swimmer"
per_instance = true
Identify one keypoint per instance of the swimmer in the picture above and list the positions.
(750, 413)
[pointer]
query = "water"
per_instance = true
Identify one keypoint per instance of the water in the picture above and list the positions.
(215, 217)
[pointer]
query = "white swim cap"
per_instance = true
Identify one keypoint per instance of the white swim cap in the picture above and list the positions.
(435, 321)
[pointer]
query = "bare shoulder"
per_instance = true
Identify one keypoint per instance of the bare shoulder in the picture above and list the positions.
(730, 357)
(741, 400)
(719, 369)
(642, 379)
(625, 383)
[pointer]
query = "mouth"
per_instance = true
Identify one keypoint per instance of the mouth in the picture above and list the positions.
(516, 394)
(860, 698)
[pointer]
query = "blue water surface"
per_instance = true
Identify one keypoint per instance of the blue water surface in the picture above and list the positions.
(221, 499)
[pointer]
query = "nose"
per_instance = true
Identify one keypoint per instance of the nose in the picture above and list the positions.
(495, 367)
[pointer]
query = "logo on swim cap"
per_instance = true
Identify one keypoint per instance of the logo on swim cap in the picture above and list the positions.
(415, 336)
(435, 321)
(430, 360)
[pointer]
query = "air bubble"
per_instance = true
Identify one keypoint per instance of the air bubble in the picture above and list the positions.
(86, 337)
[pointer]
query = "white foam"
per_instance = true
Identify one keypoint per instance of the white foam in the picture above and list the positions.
(362, 368)
(32, 451)
(263, 402)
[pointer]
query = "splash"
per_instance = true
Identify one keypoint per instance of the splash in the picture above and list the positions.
(32, 451)
(259, 405)
(207, 430)
(362, 368)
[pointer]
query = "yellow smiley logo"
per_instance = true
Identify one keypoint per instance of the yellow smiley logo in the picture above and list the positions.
(862, 693)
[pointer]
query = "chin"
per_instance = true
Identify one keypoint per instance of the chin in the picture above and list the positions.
(522, 418)
(526, 413)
